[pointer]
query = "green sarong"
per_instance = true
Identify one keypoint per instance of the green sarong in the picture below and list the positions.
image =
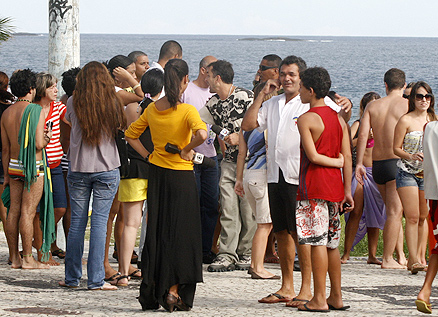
(27, 157)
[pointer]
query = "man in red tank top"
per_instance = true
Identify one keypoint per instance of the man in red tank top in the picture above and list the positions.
(325, 149)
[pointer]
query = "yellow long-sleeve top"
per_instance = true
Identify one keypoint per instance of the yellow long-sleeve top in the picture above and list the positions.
(173, 125)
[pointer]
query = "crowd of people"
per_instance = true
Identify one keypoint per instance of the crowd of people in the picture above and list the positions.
(217, 174)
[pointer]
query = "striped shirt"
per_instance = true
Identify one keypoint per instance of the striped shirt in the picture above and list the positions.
(255, 141)
(54, 148)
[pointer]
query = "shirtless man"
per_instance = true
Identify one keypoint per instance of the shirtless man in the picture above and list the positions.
(382, 115)
(23, 200)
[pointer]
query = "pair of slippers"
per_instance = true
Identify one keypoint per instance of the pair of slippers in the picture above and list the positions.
(280, 298)
(331, 307)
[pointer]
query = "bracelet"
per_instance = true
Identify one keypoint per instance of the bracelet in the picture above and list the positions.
(136, 86)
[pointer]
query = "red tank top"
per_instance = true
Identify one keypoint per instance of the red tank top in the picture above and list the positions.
(322, 182)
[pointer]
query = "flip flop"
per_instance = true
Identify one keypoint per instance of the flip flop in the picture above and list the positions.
(416, 267)
(59, 253)
(133, 276)
(423, 306)
(116, 282)
(113, 277)
(279, 299)
(313, 310)
(331, 307)
(296, 301)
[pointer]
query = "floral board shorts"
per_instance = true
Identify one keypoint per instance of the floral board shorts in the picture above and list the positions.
(318, 223)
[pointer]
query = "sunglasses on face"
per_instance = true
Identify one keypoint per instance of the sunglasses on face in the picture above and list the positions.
(263, 67)
(420, 97)
(405, 96)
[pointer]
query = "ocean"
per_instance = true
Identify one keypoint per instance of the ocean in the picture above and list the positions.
(356, 64)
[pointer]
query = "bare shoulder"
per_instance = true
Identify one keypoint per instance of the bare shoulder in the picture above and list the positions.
(405, 119)
(375, 105)
(308, 118)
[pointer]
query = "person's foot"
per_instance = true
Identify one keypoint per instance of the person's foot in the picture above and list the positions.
(392, 264)
(416, 267)
(59, 253)
(295, 302)
(51, 261)
(105, 287)
(244, 263)
(265, 276)
(110, 272)
(121, 280)
(344, 259)
(336, 304)
(423, 301)
(29, 263)
(312, 306)
(221, 264)
(16, 263)
(374, 260)
(402, 260)
(278, 297)
(63, 284)
(134, 273)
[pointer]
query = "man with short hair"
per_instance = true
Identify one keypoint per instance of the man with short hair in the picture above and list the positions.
(141, 61)
(382, 116)
(197, 94)
(279, 117)
(226, 109)
(169, 50)
(268, 68)
(23, 138)
(325, 150)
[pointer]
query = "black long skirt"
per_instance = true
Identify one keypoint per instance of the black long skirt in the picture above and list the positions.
(172, 253)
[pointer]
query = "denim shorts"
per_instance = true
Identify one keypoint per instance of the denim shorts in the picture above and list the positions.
(58, 185)
(405, 179)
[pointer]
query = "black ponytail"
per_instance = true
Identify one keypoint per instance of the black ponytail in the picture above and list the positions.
(174, 72)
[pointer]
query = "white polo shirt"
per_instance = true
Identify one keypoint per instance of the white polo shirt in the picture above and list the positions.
(280, 119)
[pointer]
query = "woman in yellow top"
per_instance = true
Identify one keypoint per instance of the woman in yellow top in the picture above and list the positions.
(172, 254)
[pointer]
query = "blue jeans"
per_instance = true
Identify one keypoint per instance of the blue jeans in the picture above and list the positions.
(208, 189)
(80, 185)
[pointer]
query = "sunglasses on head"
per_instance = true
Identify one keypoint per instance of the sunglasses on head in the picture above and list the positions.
(263, 67)
(421, 96)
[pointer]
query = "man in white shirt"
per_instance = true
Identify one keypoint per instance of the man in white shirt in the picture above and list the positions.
(279, 116)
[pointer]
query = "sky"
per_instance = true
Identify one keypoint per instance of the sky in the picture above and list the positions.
(239, 17)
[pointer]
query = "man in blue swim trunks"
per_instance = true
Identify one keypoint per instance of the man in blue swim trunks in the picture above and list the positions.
(381, 116)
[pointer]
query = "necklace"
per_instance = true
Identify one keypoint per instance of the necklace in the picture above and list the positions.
(229, 92)
(24, 100)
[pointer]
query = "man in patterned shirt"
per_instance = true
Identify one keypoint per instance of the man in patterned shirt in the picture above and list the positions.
(226, 109)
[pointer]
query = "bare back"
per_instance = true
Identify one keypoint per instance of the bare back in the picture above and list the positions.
(11, 120)
(384, 114)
